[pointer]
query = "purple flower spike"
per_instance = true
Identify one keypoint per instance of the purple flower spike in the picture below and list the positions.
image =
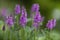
(17, 9)
(35, 24)
(4, 11)
(9, 20)
(24, 13)
(23, 18)
(51, 24)
(37, 19)
(35, 7)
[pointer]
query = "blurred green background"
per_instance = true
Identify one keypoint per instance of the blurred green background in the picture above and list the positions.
(48, 8)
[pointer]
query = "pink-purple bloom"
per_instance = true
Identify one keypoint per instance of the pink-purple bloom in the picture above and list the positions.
(51, 24)
(23, 18)
(17, 9)
(4, 11)
(37, 19)
(9, 20)
(35, 7)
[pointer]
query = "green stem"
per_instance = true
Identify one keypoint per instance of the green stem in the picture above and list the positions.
(48, 35)
(18, 35)
(35, 34)
(18, 26)
(10, 34)
(23, 34)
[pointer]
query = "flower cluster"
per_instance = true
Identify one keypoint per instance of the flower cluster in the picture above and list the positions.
(9, 20)
(4, 12)
(37, 18)
(23, 18)
(24, 27)
(17, 9)
(35, 7)
(51, 24)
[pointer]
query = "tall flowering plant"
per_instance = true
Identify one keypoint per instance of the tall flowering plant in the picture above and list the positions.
(18, 23)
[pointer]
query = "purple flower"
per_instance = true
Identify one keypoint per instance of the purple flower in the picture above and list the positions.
(17, 9)
(4, 11)
(23, 18)
(35, 24)
(37, 19)
(35, 7)
(51, 24)
(9, 20)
